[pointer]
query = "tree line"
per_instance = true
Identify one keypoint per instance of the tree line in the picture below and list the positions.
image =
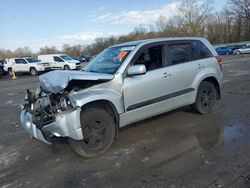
(193, 18)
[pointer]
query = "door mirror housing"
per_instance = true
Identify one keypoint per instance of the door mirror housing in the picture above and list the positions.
(136, 70)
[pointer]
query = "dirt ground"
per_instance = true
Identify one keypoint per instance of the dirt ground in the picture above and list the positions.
(175, 149)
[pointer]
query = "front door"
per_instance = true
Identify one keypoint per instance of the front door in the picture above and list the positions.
(147, 95)
(20, 65)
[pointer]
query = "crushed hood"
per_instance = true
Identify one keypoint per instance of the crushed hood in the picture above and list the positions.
(56, 81)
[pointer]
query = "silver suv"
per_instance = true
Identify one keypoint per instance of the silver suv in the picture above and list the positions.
(124, 84)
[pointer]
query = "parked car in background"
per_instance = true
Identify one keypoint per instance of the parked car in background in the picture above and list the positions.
(2, 67)
(82, 61)
(77, 58)
(224, 50)
(26, 65)
(243, 50)
(236, 47)
(85, 58)
(61, 61)
(124, 84)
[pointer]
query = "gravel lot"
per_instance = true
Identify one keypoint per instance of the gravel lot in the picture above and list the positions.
(176, 149)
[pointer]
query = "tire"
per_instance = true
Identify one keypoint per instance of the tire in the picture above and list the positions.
(205, 98)
(66, 67)
(237, 52)
(10, 72)
(98, 128)
(33, 71)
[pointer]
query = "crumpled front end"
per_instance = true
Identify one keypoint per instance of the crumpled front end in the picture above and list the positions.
(44, 115)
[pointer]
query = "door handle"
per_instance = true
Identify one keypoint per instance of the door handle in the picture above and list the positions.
(165, 74)
(200, 66)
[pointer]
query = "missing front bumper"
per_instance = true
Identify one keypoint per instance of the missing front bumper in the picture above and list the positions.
(30, 127)
(65, 125)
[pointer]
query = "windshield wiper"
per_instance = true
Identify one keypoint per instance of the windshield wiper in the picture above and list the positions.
(91, 71)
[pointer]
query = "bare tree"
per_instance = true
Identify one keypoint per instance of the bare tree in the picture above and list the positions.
(240, 10)
(21, 52)
(192, 17)
(48, 50)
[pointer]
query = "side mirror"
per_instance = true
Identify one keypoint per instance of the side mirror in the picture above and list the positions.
(136, 70)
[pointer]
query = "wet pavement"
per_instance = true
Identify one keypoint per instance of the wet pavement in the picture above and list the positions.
(176, 149)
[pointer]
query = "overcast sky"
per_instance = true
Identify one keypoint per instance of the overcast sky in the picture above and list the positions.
(36, 23)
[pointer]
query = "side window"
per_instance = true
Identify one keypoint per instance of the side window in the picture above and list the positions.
(179, 53)
(151, 58)
(20, 61)
(201, 50)
(57, 59)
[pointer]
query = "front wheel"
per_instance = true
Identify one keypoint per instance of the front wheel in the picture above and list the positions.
(237, 52)
(66, 67)
(205, 98)
(98, 128)
(33, 71)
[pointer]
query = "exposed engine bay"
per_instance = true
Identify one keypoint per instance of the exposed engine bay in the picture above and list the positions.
(52, 109)
(45, 106)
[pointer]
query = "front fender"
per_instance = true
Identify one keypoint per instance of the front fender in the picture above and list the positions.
(83, 97)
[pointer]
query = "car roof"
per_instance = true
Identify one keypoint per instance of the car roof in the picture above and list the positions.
(148, 41)
(19, 57)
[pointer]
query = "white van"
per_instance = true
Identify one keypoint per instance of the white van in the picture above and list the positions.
(60, 61)
(26, 64)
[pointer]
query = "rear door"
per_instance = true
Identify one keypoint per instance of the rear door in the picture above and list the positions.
(185, 60)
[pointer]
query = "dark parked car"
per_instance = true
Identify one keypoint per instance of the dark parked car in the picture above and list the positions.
(82, 58)
(1, 67)
(85, 58)
(224, 50)
(76, 58)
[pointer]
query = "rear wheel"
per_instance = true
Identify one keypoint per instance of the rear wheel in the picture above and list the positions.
(98, 128)
(66, 67)
(33, 71)
(205, 98)
(10, 71)
(237, 52)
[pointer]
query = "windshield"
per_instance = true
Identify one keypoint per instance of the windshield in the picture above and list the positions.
(109, 60)
(65, 57)
(32, 60)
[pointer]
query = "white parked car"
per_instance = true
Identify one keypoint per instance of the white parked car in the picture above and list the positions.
(61, 61)
(243, 50)
(26, 64)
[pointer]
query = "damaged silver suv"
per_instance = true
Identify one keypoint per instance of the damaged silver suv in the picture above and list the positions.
(124, 84)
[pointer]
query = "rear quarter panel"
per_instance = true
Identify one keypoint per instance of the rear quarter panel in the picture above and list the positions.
(212, 70)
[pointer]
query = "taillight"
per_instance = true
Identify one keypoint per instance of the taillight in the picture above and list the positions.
(219, 61)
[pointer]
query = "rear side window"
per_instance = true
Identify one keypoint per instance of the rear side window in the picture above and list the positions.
(20, 61)
(201, 50)
(179, 53)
